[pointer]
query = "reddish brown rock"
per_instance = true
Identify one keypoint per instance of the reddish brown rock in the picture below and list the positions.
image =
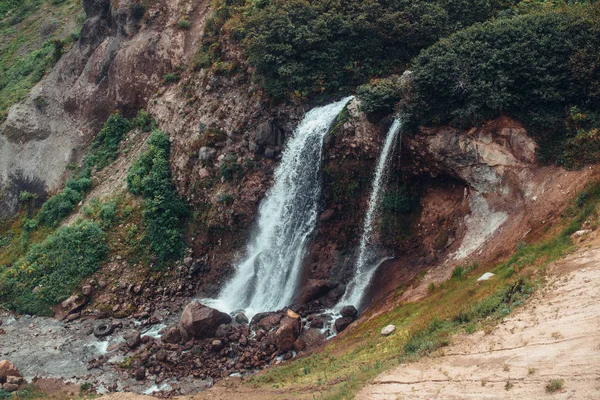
(287, 333)
(8, 369)
(342, 323)
(201, 322)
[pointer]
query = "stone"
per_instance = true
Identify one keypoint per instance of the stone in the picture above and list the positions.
(349, 312)
(70, 306)
(132, 339)
(140, 374)
(172, 335)
(241, 318)
(287, 333)
(485, 277)
(270, 321)
(8, 369)
(206, 154)
(87, 290)
(269, 134)
(201, 322)
(317, 322)
(217, 345)
(388, 330)
(10, 387)
(342, 323)
(269, 153)
(188, 261)
(292, 314)
(15, 380)
(299, 345)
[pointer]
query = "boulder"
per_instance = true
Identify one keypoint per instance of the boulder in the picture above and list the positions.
(206, 154)
(286, 334)
(8, 369)
(388, 330)
(71, 305)
(317, 322)
(15, 380)
(140, 374)
(292, 314)
(269, 134)
(201, 322)
(172, 335)
(342, 323)
(271, 321)
(132, 339)
(241, 318)
(10, 387)
(349, 312)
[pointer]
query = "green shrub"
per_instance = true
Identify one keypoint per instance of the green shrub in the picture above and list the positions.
(138, 10)
(555, 385)
(164, 211)
(143, 120)
(304, 48)
(522, 66)
(54, 268)
(60, 205)
(106, 145)
(230, 168)
(184, 24)
(171, 77)
(379, 97)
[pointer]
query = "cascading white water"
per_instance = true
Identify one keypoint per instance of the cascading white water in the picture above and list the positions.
(366, 263)
(267, 278)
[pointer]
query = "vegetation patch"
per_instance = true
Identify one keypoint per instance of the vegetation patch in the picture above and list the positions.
(105, 147)
(164, 211)
(50, 271)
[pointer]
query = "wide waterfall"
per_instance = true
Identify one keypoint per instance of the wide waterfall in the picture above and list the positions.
(367, 261)
(268, 276)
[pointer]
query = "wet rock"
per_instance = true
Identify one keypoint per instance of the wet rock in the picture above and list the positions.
(342, 323)
(349, 312)
(270, 321)
(140, 374)
(287, 333)
(241, 318)
(317, 322)
(8, 369)
(172, 335)
(132, 339)
(201, 322)
(388, 330)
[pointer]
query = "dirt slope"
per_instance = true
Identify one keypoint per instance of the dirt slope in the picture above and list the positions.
(556, 335)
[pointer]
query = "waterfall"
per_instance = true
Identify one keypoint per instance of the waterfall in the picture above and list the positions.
(267, 278)
(366, 263)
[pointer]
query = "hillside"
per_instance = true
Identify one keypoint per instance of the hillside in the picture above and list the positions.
(240, 195)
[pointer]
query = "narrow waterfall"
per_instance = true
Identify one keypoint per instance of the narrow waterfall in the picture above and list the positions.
(366, 263)
(268, 276)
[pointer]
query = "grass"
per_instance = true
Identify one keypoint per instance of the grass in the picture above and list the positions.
(26, 54)
(555, 385)
(457, 305)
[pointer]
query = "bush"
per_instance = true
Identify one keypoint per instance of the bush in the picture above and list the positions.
(60, 205)
(170, 78)
(304, 48)
(54, 268)
(522, 66)
(164, 211)
(230, 168)
(379, 97)
(106, 145)
(184, 24)
(555, 385)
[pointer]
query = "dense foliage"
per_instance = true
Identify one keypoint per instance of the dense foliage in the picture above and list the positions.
(60, 205)
(52, 270)
(27, 51)
(303, 48)
(164, 211)
(380, 96)
(527, 66)
(106, 145)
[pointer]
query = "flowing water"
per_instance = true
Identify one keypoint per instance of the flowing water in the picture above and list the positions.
(367, 261)
(267, 278)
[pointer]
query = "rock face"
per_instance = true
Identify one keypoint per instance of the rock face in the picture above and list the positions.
(200, 322)
(117, 64)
